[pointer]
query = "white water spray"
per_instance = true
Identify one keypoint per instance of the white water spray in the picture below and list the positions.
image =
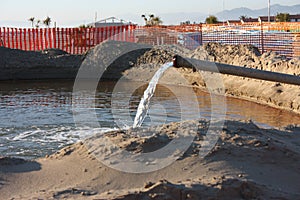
(145, 101)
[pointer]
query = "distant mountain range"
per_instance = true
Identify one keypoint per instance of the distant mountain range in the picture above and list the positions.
(176, 18)
(276, 8)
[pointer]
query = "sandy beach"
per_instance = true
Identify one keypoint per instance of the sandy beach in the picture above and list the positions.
(247, 162)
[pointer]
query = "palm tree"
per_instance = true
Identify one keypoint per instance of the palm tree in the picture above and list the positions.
(47, 21)
(32, 20)
(37, 25)
(156, 21)
(152, 21)
(151, 16)
(145, 19)
(211, 19)
(85, 26)
(283, 17)
(243, 17)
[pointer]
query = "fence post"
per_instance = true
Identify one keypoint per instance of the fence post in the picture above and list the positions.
(12, 38)
(69, 39)
(122, 31)
(262, 37)
(4, 37)
(108, 33)
(128, 39)
(81, 39)
(29, 39)
(78, 40)
(37, 39)
(25, 39)
(20, 38)
(17, 39)
(104, 33)
(63, 39)
(49, 38)
(32, 43)
(1, 41)
(8, 37)
(73, 40)
(41, 39)
(126, 33)
(96, 34)
(90, 38)
(93, 36)
(58, 38)
(201, 38)
(99, 35)
(68, 34)
(85, 32)
(45, 38)
(54, 37)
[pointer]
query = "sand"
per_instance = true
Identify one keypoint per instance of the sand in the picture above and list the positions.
(247, 162)
(273, 94)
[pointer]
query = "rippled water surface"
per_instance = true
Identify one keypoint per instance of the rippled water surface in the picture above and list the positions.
(36, 117)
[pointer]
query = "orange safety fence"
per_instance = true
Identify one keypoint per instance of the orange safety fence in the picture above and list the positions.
(283, 38)
(71, 40)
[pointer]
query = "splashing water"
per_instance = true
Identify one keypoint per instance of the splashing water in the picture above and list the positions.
(145, 101)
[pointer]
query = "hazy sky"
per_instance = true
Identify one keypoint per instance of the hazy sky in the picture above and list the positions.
(74, 12)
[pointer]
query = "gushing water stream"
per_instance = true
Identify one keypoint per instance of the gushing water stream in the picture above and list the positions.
(145, 101)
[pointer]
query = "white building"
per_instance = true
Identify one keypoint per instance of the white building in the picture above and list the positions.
(111, 21)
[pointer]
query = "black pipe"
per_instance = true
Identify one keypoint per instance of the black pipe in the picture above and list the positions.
(179, 61)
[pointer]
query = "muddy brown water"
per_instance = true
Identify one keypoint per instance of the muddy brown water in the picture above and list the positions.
(36, 117)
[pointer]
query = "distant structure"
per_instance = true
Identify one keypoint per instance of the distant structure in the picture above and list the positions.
(249, 20)
(111, 21)
(233, 22)
(266, 19)
(292, 18)
(295, 18)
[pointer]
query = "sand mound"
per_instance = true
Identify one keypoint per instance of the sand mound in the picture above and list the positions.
(231, 54)
(277, 95)
(246, 163)
(47, 64)
(159, 55)
(249, 56)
